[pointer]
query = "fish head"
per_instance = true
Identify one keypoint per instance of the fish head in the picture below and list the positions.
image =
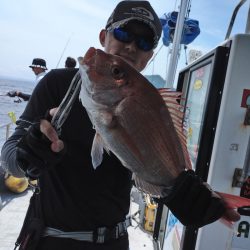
(110, 78)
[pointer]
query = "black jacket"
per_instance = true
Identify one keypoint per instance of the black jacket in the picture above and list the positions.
(74, 195)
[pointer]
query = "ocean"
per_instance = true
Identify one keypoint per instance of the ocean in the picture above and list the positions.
(11, 104)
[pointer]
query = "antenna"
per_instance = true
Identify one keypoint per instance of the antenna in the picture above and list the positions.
(66, 45)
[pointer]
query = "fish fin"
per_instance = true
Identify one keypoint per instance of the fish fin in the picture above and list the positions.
(146, 187)
(97, 150)
(171, 99)
(234, 201)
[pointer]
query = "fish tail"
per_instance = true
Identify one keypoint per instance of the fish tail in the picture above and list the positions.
(234, 201)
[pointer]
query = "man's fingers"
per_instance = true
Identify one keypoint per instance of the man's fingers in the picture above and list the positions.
(53, 111)
(57, 146)
(231, 214)
(48, 130)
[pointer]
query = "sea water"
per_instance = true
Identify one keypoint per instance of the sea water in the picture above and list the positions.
(11, 105)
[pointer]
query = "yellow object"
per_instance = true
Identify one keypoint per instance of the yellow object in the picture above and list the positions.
(190, 132)
(16, 185)
(198, 84)
(150, 212)
(12, 116)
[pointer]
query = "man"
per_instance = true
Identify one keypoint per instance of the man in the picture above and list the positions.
(38, 66)
(70, 62)
(83, 208)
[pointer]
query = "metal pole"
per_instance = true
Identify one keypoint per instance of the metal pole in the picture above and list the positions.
(248, 22)
(230, 27)
(246, 167)
(8, 131)
(176, 45)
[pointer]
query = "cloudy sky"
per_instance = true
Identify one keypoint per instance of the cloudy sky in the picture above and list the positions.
(55, 29)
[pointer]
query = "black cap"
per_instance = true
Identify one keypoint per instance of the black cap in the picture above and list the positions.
(38, 63)
(129, 10)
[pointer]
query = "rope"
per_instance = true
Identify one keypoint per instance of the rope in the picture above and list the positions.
(154, 56)
(175, 4)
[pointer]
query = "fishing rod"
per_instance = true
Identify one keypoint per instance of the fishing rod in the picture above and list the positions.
(66, 45)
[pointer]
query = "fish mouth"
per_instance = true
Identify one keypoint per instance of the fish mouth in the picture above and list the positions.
(86, 63)
(89, 55)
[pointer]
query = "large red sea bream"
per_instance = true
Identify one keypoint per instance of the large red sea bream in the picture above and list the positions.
(138, 123)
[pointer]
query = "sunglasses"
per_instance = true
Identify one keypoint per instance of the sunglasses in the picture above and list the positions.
(125, 36)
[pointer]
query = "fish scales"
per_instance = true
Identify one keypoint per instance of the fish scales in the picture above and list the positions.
(149, 135)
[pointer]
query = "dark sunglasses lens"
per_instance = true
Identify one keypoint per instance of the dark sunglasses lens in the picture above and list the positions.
(144, 44)
(127, 37)
(122, 35)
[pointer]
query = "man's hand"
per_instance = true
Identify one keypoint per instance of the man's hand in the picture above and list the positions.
(47, 129)
(40, 149)
(195, 204)
(12, 93)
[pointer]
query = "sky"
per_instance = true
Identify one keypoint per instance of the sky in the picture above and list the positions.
(55, 29)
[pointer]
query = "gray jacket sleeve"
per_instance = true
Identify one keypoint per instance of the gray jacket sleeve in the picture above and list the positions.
(24, 96)
(8, 153)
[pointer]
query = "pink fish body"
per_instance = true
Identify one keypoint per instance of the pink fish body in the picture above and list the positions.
(131, 119)
(139, 124)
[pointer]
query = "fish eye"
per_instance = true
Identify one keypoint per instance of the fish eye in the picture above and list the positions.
(117, 73)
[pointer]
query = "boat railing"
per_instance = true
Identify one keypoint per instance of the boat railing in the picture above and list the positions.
(7, 127)
(3, 137)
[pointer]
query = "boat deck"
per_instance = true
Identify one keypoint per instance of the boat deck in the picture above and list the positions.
(13, 208)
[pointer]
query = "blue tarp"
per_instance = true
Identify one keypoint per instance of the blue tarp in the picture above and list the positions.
(191, 28)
